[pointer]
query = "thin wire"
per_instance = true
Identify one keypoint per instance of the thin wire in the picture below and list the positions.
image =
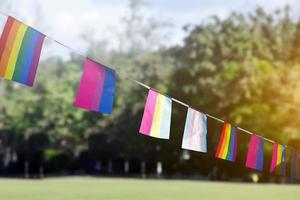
(123, 75)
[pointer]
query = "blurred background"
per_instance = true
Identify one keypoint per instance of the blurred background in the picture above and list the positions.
(238, 60)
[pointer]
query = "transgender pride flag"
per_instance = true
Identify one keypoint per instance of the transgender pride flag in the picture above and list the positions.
(195, 131)
(96, 89)
(156, 120)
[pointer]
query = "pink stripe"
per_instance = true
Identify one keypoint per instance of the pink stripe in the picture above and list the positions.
(191, 128)
(274, 158)
(148, 113)
(99, 89)
(35, 60)
(200, 130)
(252, 152)
(88, 85)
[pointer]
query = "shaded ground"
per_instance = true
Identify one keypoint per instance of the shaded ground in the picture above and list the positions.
(84, 188)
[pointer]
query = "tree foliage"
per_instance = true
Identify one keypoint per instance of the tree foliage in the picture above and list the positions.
(244, 69)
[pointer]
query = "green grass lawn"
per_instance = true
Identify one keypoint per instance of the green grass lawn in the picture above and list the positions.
(84, 188)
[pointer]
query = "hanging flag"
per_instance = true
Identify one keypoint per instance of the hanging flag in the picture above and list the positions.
(195, 131)
(255, 156)
(295, 165)
(156, 120)
(228, 143)
(20, 50)
(278, 164)
(96, 89)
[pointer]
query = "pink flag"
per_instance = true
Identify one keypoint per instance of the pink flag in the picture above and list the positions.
(255, 156)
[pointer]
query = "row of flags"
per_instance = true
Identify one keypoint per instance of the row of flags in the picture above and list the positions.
(20, 49)
(156, 122)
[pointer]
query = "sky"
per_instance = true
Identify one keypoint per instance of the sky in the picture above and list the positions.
(66, 20)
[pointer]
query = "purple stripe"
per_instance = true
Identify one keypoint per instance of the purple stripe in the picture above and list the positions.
(35, 60)
(99, 90)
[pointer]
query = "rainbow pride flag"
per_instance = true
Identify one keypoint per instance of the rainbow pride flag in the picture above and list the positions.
(156, 120)
(278, 164)
(195, 131)
(20, 50)
(255, 155)
(96, 89)
(228, 143)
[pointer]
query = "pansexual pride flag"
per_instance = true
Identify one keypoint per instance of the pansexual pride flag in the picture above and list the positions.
(96, 89)
(195, 131)
(20, 49)
(255, 156)
(156, 120)
(228, 143)
(278, 164)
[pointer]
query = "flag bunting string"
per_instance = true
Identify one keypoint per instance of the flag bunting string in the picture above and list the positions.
(125, 76)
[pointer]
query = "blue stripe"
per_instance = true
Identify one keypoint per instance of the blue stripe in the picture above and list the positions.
(203, 147)
(29, 55)
(231, 143)
(166, 119)
(107, 99)
(186, 127)
(283, 161)
(260, 155)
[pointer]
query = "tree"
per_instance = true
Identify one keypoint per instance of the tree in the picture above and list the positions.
(245, 70)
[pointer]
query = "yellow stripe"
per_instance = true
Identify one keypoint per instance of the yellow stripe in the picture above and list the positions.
(223, 141)
(155, 129)
(225, 148)
(15, 52)
(279, 155)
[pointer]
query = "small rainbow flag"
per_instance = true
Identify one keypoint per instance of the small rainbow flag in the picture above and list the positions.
(228, 143)
(156, 120)
(255, 155)
(278, 164)
(195, 131)
(20, 50)
(96, 89)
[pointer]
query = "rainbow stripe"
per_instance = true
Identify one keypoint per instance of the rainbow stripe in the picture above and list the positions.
(228, 143)
(195, 131)
(255, 155)
(96, 89)
(278, 164)
(20, 50)
(156, 120)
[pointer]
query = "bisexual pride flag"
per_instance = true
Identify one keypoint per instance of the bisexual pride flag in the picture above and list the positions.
(228, 143)
(255, 155)
(195, 131)
(278, 164)
(20, 49)
(156, 120)
(96, 89)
